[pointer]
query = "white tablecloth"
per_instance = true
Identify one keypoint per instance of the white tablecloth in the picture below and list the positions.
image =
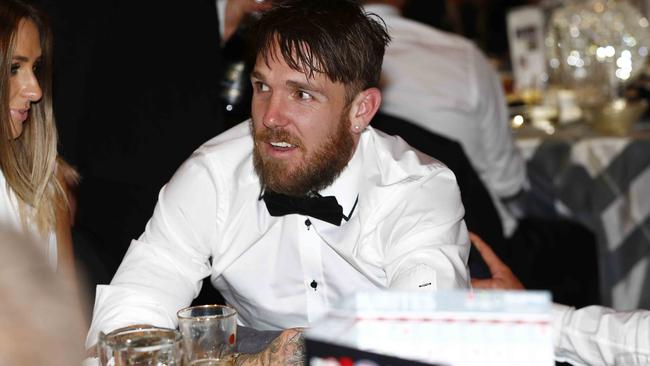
(603, 182)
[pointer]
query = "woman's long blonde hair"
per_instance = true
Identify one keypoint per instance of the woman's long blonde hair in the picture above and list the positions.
(29, 161)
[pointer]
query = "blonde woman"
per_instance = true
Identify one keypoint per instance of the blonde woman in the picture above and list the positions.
(33, 195)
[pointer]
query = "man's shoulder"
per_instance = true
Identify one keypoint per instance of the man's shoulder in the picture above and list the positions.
(227, 153)
(229, 147)
(237, 138)
(398, 161)
(400, 178)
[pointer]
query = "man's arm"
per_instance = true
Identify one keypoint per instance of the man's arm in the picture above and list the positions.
(596, 335)
(287, 349)
(162, 270)
(427, 245)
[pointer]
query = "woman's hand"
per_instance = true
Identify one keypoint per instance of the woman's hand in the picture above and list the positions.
(502, 276)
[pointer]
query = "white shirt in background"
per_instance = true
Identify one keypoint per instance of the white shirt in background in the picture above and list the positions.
(443, 83)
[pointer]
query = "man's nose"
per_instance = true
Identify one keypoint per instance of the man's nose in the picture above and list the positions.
(275, 115)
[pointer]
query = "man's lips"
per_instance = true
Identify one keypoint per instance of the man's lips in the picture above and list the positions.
(280, 149)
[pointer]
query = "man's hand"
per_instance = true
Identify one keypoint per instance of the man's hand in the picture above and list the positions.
(287, 349)
(502, 276)
(236, 10)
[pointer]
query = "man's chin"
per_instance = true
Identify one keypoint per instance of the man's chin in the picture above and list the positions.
(281, 183)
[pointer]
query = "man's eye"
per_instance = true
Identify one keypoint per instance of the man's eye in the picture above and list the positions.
(303, 95)
(14, 68)
(260, 86)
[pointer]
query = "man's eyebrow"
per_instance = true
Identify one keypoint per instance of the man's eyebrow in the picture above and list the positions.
(305, 86)
(256, 75)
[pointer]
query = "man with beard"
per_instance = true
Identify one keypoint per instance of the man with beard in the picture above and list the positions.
(303, 204)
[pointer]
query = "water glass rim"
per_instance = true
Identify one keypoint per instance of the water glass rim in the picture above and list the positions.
(111, 338)
(181, 316)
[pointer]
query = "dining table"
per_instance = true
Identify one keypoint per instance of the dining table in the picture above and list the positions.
(603, 182)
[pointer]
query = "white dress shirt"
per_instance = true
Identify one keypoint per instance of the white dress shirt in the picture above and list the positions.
(10, 218)
(443, 83)
(406, 232)
(596, 335)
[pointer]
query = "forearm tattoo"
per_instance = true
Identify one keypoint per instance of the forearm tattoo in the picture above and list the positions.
(287, 349)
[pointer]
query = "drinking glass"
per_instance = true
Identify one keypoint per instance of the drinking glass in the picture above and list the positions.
(209, 334)
(140, 345)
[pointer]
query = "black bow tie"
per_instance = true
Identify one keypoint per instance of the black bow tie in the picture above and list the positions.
(322, 208)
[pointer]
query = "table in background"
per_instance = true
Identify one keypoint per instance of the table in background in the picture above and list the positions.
(604, 183)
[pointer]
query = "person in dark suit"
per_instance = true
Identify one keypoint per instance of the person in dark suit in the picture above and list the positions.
(137, 90)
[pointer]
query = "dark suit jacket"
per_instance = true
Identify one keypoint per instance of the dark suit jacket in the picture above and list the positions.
(136, 92)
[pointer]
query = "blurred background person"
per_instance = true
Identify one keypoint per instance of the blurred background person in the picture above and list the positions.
(39, 325)
(33, 181)
(443, 83)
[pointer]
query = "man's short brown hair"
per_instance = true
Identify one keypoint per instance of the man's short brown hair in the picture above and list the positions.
(333, 37)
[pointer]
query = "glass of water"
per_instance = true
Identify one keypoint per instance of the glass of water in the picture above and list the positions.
(209, 334)
(140, 345)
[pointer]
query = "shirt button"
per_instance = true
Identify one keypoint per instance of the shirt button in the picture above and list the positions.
(307, 223)
(313, 284)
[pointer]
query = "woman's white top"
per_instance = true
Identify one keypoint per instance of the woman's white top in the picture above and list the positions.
(10, 217)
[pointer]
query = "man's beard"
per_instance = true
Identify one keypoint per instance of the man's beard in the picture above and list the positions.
(319, 169)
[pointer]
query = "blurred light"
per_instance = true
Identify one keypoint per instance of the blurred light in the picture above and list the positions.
(599, 7)
(629, 40)
(555, 63)
(622, 74)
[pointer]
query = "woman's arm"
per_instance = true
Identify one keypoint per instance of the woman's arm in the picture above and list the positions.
(68, 179)
(65, 211)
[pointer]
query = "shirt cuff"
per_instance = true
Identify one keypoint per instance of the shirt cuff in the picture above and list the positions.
(420, 277)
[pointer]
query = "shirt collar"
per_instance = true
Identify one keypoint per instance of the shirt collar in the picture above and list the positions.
(346, 187)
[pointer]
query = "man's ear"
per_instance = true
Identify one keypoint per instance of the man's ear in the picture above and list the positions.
(363, 108)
